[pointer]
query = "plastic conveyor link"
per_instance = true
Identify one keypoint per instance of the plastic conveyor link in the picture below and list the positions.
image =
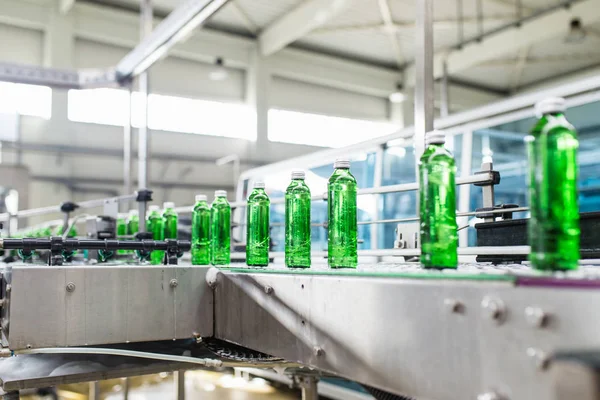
(93, 244)
(58, 245)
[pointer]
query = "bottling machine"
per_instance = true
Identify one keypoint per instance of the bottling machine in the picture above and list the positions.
(486, 330)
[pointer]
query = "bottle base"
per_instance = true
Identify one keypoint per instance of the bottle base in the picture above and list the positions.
(552, 262)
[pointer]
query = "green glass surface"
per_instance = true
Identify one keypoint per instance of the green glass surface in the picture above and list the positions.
(297, 225)
(257, 228)
(554, 224)
(156, 225)
(342, 222)
(220, 231)
(201, 234)
(133, 224)
(121, 231)
(437, 207)
(171, 218)
(396, 271)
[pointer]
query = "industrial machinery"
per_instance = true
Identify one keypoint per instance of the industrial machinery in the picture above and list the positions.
(486, 331)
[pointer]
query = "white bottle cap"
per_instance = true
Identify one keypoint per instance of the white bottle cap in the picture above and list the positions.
(154, 208)
(550, 105)
(435, 137)
(134, 212)
(298, 174)
(168, 204)
(259, 185)
(201, 197)
(220, 193)
(343, 163)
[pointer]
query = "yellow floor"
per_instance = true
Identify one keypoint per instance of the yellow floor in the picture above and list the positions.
(204, 385)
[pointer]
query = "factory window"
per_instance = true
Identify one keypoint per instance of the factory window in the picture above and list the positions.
(167, 113)
(321, 130)
(26, 99)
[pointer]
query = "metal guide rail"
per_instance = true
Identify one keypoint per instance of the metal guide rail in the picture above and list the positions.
(58, 246)
(479, 330)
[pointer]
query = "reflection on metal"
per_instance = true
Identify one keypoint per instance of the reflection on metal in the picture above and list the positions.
(144, 89)
(358, 343)
(444, 93)
(175, 313)
(179, 377)
(57, 78)
(178, 25)
(424, 96)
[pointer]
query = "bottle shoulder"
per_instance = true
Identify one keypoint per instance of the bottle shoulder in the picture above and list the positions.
(258, 196)
(220, 205)
(342, 176)
(553, 125)
(298, 188)
(202, 206)
(437, 154)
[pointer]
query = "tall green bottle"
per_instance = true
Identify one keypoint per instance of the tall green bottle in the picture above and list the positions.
(171, 218)
(220, 229)
(121, 230)
(297, 222)
(201, 232)
(133, 222)
(257, 227)
(437, 204)
(155, 224)
(343, 223)
(554, 223)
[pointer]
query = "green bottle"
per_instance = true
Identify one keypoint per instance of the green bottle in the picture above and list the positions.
(343, 223)
(171, 218)
(121, 231)
(201, 232)
(437, 204)
(133, 222)
(156, 225)
(257, 227)
(297, 222)
(554, 223)
(220, 229)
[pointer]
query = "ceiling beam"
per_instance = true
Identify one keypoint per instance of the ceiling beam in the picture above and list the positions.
(388, 22)
(65, 6)
(547, 26)
(310, 15)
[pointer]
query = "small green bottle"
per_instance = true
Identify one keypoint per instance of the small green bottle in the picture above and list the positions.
(220, 229)
(121, 231)
(171, 219)
(437, 204)
(156, 225)
(257, 227)
(343, 222)
(297, 222)
(554, 223)
(201, 232)
(133, 222)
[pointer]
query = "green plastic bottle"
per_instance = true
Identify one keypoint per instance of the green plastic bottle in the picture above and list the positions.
(133, 222)
(201, 232)
(220, 229)
(343, 223)
(437, 204)
(554, 223)
(297, 222)
(171, 219)
(121, 231)
(257, 227)
(155, 224)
